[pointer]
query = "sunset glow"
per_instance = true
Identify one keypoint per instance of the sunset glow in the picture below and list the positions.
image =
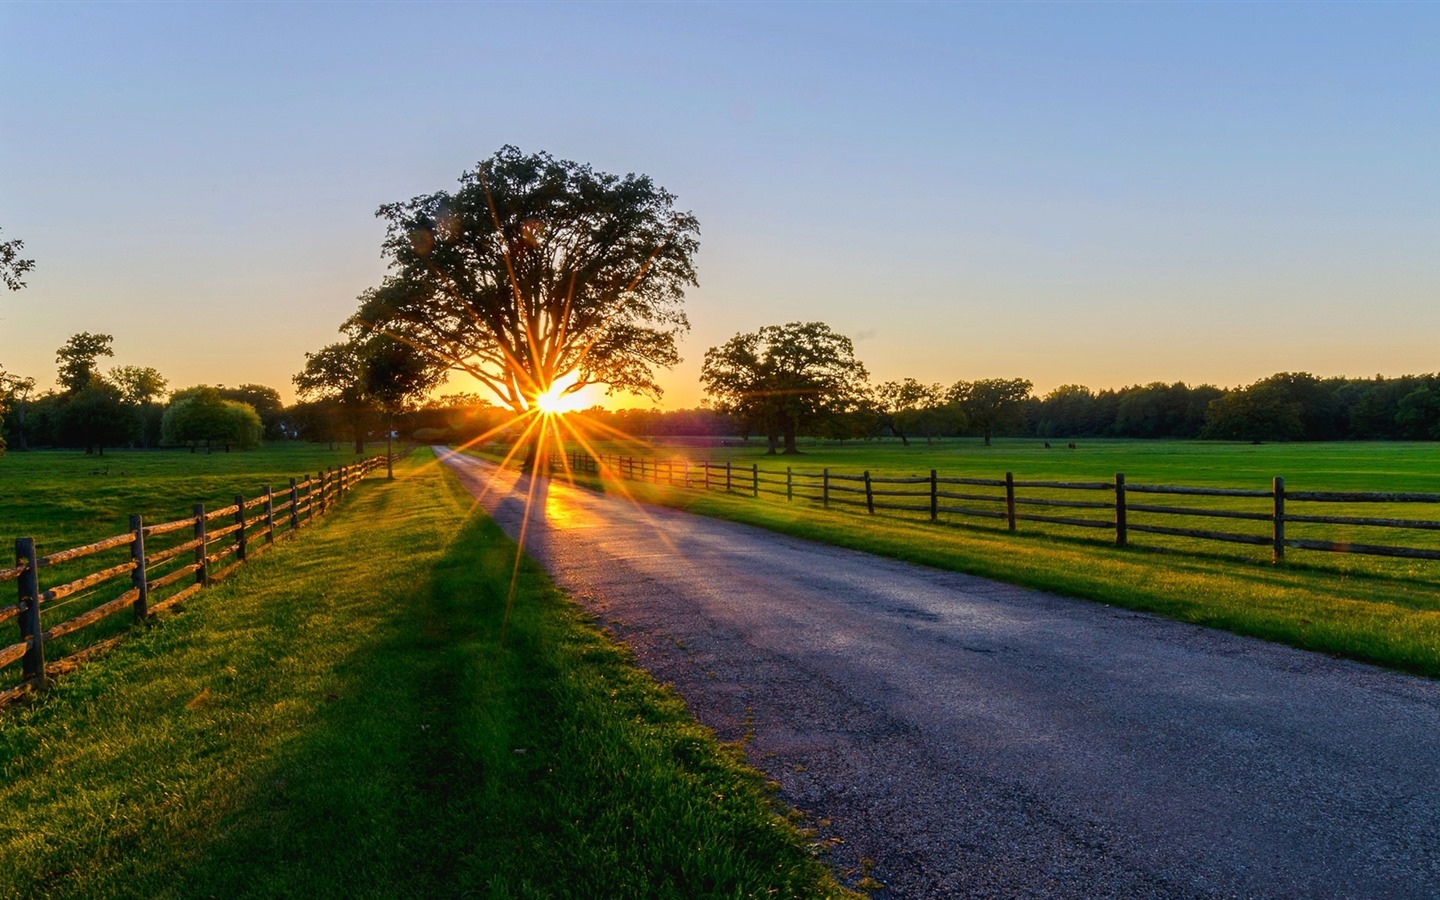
(561, 397)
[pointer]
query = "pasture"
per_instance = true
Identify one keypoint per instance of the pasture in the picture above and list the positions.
(64, 498)
(1374, 609)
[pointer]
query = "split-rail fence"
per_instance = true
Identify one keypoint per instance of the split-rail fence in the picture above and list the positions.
(1278, 518)
(164, 564)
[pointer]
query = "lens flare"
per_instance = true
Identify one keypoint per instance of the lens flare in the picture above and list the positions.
(559, 399)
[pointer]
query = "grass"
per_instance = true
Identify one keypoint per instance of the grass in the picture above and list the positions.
(64, 498)
(1376, 610)
(341, 719)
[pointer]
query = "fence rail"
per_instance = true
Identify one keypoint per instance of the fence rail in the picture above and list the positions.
(154, 578)
(1051, 502)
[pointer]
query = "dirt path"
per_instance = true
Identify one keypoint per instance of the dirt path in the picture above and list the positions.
(976, 739)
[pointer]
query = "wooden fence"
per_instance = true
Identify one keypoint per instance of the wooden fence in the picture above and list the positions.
(164, 564)
(1100, 506)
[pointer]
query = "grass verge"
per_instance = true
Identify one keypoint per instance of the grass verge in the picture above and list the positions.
(340, 718)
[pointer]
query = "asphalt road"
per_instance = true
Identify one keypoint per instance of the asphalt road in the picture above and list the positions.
(972, 738)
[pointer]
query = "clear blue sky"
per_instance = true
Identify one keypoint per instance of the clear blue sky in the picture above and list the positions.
(1100, 194)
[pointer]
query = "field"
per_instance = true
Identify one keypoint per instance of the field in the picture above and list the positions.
(1378, 610)
(342, 718)
(64, 498)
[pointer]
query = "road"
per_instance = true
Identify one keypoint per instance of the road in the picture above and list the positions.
(971, 738)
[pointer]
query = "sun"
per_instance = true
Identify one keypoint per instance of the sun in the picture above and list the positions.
(556, 400)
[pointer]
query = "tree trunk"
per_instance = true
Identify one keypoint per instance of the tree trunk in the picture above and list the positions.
(359, 441)
(987, 437)
(772, 445)
(790, 448)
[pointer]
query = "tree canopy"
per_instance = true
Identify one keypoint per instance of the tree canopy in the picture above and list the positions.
(785, 378)
(538, 270)
(201, 415)
(365, 375)
(76, 359)
(991, 403)
(12, 265)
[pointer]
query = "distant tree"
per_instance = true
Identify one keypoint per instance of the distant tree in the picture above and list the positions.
(142, 389)
(76, 359)
(394, 377)
(1417, 415)
(15, 393)
(1067, 411)
(338, 373)
(538, 270)
(1264, 411)
(264, 400)
(95, 417)
(991, 403)
(12, 266)
(783, 379)
(908, 406)
(200, 415)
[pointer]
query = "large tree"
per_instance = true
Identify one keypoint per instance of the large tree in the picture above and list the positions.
(991, 403)
(12, 265)
(784, 379)
(537, 271)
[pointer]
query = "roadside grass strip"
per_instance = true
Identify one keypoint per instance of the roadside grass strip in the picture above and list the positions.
(341, 719)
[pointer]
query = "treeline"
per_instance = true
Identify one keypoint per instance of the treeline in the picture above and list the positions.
(1282, 407)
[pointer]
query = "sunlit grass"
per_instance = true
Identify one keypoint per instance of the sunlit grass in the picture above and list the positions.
(341, 719)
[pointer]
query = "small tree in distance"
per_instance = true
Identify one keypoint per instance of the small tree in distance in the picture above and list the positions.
(784, 379)
(990, 403)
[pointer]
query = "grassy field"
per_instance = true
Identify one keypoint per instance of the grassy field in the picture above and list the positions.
(342, 719)
(1377, 610)
(64, 498)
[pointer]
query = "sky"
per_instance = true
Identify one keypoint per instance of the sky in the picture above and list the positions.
(1099, 194)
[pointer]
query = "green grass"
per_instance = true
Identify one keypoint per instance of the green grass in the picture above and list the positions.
(1377, 610)
(64, 498)
(341, 719)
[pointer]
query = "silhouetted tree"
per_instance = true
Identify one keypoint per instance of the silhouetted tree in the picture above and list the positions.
(784, 379)
(990, 403)
(538, 270)
(76, 359)
(12, 266)
(142, 389)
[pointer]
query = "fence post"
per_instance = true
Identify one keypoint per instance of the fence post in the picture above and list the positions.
(1010, 499)
(706, 464)
(789, 484)
(137, 574)
(269, 515)
(869, 494)
(825, 488)
(755, 479)
(687, 473)
(29, 589)
(202, 574)
(727, 476)
(934, 496)
(294, 505)
(1278, 531)
(1122, 535)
